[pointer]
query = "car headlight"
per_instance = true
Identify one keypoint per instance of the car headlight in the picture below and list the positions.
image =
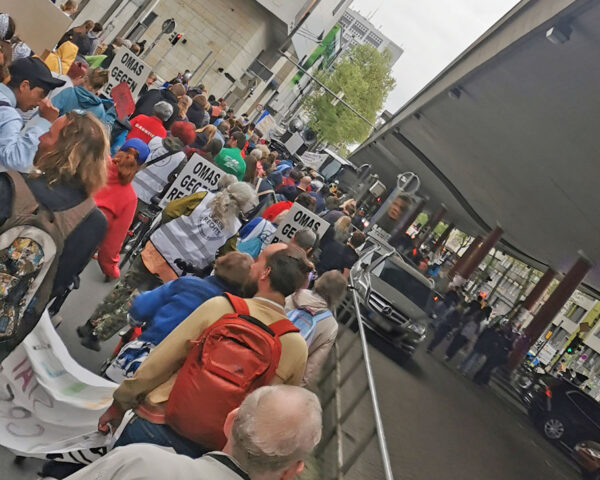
(418, 328)
(588, 450)
(362, 287)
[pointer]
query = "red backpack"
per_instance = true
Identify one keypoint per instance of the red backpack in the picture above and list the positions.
(233, 357)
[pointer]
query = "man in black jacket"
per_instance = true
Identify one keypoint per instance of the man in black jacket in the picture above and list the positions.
(198, 111)
(145, 104)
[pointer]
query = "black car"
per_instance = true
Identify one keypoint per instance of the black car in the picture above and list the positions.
(565, 414)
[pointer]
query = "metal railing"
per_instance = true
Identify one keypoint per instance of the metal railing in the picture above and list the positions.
(351, 308)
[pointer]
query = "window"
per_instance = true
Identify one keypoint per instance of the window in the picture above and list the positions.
(416, 291)
(576, 313)
(558, 339)
(374, 39)
(359, 29)
(346, 19)
(260, 70)
(587, 405)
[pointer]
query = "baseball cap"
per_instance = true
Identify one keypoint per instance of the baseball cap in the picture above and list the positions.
(35, 71)
(138, 145)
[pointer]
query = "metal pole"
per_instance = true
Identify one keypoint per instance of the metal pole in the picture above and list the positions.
(201, 64)
(385, 456)
(153, 44)
(207, 70)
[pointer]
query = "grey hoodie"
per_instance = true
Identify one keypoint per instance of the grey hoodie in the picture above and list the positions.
(325, 332)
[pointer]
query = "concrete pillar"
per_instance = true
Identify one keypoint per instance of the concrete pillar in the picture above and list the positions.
(432, 222)
(538, 290)
(550, 309)
(479, 253)
(474, 244)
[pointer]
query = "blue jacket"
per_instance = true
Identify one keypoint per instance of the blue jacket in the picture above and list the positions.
(165, 307)
(78, 98)
(17, 144)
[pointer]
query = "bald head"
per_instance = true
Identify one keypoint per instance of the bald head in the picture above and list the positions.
(304, 182)
(272, 248)
(275, 428)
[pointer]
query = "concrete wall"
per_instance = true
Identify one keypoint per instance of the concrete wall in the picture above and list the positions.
(234, 32)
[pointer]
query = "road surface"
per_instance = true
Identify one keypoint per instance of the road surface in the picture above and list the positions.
(439, 425)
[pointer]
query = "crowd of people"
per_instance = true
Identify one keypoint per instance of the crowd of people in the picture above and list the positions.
(486, 344)
(221, 358)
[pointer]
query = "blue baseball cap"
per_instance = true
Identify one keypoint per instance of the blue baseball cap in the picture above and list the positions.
(140, 146)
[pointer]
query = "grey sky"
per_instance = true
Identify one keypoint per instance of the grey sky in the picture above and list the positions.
(432, 34)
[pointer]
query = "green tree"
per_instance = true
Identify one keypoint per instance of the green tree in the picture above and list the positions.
(363, 75)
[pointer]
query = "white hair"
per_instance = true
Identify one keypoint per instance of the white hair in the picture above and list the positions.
(257, 154)
(229, 203)
(226, 180)
(275, 427)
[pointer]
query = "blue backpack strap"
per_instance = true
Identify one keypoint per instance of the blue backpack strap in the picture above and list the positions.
(322, 316)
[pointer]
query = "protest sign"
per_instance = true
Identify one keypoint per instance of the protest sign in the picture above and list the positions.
(299, 218)
(266, 125)
(198, 174)
(124, 104)
(313, 160)
(49, 404)
(127, 67)
(40, 23)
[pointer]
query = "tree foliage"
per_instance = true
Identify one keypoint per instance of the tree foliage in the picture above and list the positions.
(364, 76)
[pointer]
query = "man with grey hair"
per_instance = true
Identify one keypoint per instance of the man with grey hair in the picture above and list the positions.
(268, 437)
(305, 239)
(147, 127)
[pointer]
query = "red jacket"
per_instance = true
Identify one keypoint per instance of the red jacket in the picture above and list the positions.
(118, 203)
(146, 128)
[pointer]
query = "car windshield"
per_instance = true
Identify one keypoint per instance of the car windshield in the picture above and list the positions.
(404, 282)
(329, 168)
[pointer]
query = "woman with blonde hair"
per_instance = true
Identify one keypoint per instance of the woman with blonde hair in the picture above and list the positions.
(85, 96)
(70, 167)
(184, 103)
(69, 7)
(204, 136)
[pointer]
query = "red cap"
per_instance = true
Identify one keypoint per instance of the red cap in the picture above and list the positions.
(77, 70)
(184, 131)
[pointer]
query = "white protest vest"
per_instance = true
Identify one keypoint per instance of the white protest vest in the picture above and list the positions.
(195, 238)
(151, 180)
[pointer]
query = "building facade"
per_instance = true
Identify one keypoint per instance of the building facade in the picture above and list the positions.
(357, 29)
(232, 46)
(346, 29)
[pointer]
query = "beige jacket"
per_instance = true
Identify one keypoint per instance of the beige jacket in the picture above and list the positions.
(325, 332)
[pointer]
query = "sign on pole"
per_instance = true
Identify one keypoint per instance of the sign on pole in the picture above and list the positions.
(198, 174)
(547, 354)
(299, 218)
(127, 67)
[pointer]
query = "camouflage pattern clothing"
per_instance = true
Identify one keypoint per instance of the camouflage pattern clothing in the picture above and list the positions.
(111, 315)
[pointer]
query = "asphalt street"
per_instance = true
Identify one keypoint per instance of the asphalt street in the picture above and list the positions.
(439, 426)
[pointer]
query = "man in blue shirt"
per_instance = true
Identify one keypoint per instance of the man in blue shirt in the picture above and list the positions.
(165, 307)
(30, 82)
